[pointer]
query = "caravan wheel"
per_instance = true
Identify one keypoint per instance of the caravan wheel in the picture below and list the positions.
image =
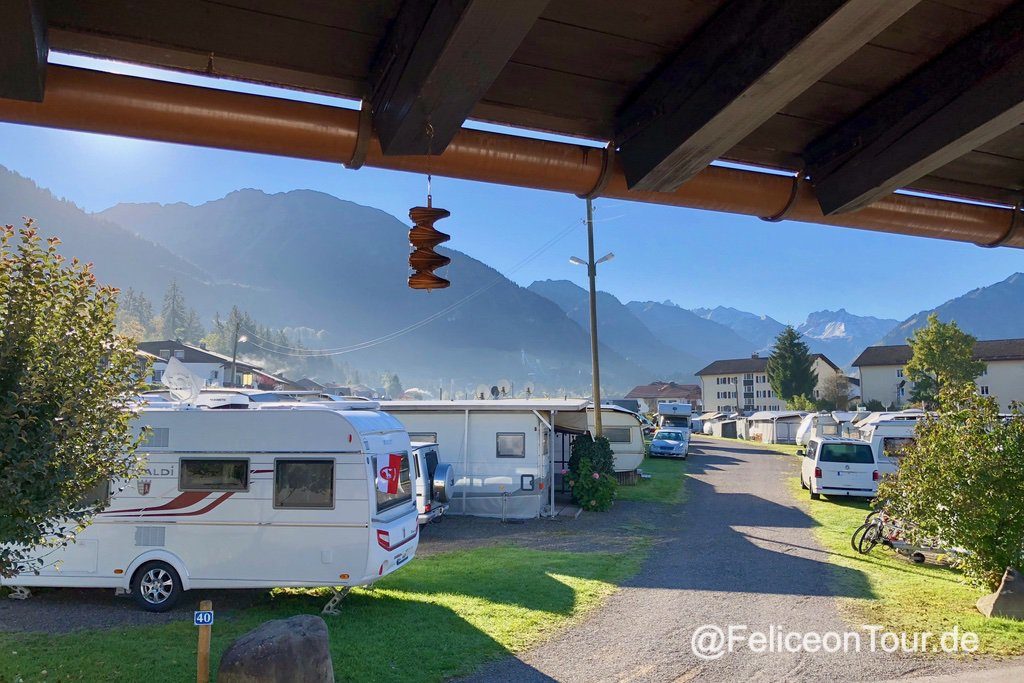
(156, 587)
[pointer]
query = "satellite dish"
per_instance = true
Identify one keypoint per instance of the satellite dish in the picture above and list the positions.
(505, 388)
(495, 392)
(482, 392)
(529, 390)
(184, 386)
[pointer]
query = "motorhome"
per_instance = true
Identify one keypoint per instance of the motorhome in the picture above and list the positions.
(508, 454)
(286, 494)
(674, 415)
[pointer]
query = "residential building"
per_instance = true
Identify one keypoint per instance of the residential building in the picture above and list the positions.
(650, 395)
(741, 384)
(882, 375)
(213, 368)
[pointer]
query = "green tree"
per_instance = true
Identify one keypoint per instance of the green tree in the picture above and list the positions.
(191, 329)
(392, 384)
(790, 367)
(835, 392)
(943, 354)
(961, 482)
(66, 380)
(173, 313)
(874, 405)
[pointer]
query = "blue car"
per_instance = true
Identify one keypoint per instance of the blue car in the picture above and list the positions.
(670, 443)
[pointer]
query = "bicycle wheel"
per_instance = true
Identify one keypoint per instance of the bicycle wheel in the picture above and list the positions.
(857, 534)
(871, 516)
(870, 538)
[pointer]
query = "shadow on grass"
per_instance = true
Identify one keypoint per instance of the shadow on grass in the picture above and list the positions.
(439, 617)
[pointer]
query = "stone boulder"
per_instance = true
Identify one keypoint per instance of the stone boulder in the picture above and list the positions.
(1008, 600)
(280, 651)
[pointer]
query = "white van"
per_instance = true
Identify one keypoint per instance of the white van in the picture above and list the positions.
(837, 466)
(276, 495)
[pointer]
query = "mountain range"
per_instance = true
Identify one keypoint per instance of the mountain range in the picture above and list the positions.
(305, 259)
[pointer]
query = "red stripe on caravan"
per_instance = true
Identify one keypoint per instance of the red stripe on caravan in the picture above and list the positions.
(182, 501)
(155, 513)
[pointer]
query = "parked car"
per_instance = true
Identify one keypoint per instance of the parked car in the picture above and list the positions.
(839, 467)
(435, 482)
(670, 443)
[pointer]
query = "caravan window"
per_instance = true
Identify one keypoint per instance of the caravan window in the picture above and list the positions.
(222, 474)
(511, 445)
(617, 434)
(304, 484)
(896, 446)
(394, 485)
(98, 494)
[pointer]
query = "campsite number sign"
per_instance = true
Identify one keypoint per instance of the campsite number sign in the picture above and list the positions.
(203, 618)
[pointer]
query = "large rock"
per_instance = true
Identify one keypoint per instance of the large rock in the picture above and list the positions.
(280, 651)
(1008, 600)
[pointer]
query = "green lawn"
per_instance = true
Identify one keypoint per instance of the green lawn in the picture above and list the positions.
(441, 616)
(902, 596)
(666, 485)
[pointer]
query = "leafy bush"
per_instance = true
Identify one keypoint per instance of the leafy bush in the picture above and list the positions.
(962, 481)
(874, 405)
(591, 473)
(65, 383)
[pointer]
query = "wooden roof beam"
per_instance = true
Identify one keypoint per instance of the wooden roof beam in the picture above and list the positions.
(436, 63)
(23, 50)
(968, 95)
(747, 62)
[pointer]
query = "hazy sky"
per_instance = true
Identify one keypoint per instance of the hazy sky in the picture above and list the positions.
(695, 258)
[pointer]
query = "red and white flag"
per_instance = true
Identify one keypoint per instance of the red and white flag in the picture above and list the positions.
(387, 476)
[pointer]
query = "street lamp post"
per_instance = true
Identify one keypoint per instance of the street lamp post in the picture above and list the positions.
(591, 265)
(234, 352)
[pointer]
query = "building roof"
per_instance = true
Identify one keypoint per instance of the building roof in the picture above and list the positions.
(194, 354)
(660, 390)
(734, 366)
(514, 404)
(992, 350)
(605, 69)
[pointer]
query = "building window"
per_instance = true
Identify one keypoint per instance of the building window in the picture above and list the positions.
(748, 375)
(214, 475)
(215, 374)
(157, 375)
(899, 372)
(305, 484)
(984, 371)
(165, 354)
(984, 390)
(511, 445)
(179, 354)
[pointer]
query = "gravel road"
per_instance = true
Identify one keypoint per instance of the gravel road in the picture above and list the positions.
(742, 553)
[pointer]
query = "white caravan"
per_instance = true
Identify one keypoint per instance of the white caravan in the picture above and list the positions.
(502, 451)
(888, 439)
(279, 495)
(508, 454)
(622, 427)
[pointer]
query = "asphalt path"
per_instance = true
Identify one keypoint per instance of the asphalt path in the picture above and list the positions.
(743, 553)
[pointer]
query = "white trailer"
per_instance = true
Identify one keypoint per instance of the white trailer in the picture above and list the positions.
(276, 495)
(504, 451)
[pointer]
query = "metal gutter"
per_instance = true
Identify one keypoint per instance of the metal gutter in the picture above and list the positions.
(98, 102)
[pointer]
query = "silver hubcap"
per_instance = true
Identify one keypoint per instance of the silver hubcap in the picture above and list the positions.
(156, 585)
